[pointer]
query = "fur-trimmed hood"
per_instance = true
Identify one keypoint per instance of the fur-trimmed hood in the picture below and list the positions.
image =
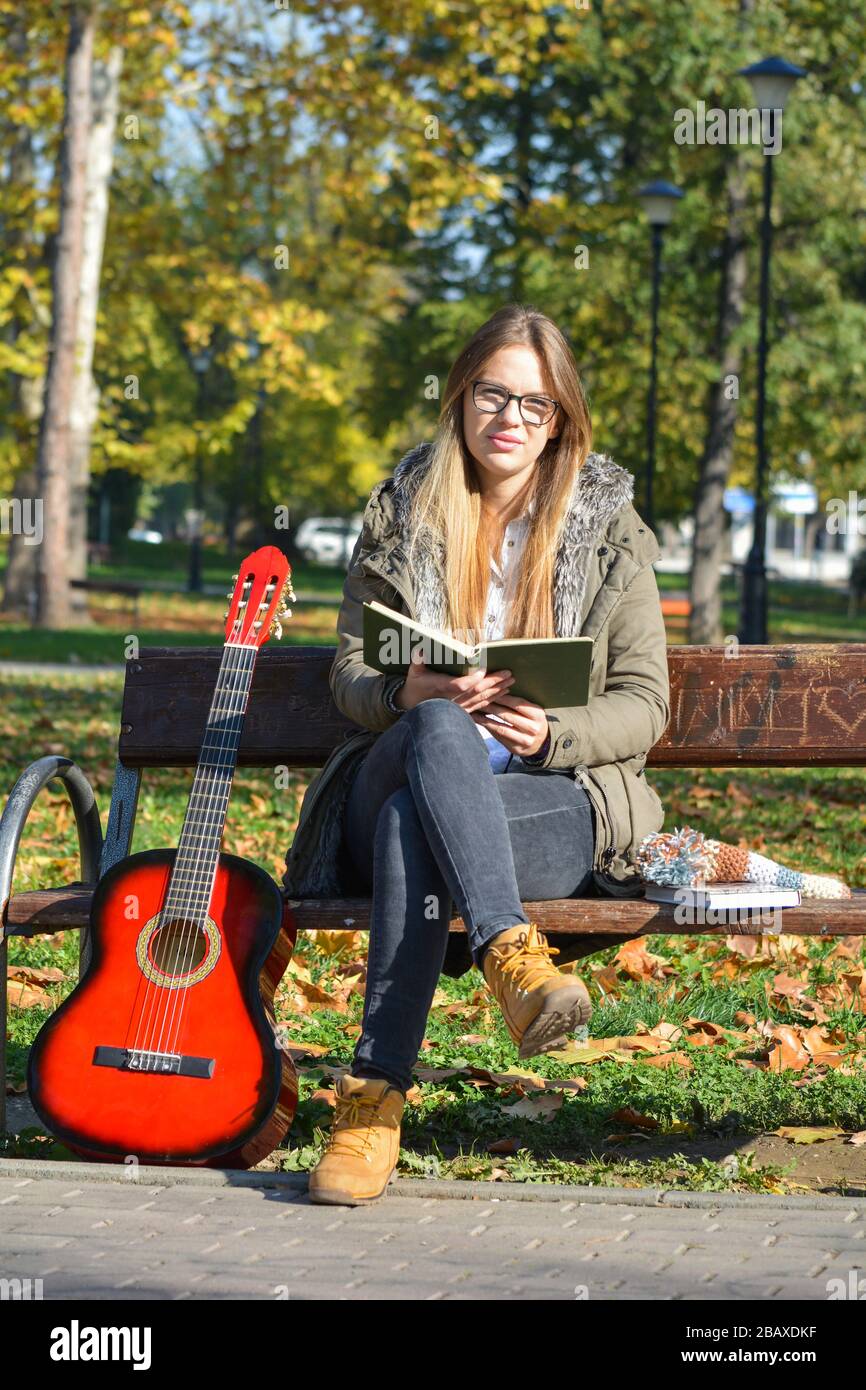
(604, 588)
(601, 490)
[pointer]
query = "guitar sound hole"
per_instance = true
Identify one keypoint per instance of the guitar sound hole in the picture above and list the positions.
(178, 947)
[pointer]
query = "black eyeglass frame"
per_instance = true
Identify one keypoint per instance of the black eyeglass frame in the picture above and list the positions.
(512, 396)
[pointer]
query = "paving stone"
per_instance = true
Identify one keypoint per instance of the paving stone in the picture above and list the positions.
(107, 1238)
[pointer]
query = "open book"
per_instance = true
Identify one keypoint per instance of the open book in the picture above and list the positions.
(548, 671)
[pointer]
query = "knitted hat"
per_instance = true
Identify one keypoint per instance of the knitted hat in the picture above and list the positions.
(687, 858)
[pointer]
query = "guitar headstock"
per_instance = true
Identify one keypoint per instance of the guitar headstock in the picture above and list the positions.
(263, 590)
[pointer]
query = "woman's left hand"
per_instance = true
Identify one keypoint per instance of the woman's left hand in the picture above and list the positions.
(527, 724)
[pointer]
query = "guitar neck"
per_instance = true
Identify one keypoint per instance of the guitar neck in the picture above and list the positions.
(191, 882)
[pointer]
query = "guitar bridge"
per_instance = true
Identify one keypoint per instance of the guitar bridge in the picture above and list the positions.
(160, 1063)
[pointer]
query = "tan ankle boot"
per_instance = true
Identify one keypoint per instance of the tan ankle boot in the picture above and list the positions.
(540, 1005)
(364, 1143)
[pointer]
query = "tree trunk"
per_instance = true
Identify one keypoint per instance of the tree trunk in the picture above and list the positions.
(25, 393)
(85, 396)
(705, 623)
(53, 454)
(814, 525)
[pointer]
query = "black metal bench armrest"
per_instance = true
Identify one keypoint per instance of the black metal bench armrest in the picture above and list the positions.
(17, 809)
(12, 822)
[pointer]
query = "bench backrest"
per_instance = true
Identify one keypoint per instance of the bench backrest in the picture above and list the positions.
(784, 706)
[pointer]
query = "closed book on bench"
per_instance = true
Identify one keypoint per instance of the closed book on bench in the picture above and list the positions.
(723, 897)
(548, 671)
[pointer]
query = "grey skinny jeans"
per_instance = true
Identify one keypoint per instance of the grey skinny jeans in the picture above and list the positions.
(428, 823)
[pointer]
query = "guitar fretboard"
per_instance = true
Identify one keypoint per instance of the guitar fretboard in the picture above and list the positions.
(191, 883)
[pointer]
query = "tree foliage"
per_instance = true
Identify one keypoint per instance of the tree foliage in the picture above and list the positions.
(312, 207)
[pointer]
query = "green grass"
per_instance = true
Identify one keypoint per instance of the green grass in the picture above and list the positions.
(451, 1125)
(136, 562)
(799, 613)
(811, 818)
(103, 646)
(798, 610)
(164, 620)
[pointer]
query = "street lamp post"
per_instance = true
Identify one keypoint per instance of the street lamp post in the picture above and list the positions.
(195, 517)
(659, 200)
(256, 442)
(771, 81)
(194, 524)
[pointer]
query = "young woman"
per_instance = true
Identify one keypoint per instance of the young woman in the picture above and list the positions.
(456, 791)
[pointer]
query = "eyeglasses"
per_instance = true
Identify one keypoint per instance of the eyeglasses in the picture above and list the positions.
(535, 410)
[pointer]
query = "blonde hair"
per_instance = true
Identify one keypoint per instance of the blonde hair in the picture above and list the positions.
(447, 503)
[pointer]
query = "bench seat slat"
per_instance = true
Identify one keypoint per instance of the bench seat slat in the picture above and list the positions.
(69, 908)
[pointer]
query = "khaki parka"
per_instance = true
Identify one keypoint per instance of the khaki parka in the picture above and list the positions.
(604, 588)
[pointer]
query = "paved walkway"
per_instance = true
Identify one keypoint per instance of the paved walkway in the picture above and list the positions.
(93, 1232)
(59, 668)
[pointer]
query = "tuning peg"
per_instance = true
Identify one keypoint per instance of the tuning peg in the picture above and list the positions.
(276, 629)
(225, 615)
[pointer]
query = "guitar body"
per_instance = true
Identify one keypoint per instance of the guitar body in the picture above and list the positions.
(166, 1049)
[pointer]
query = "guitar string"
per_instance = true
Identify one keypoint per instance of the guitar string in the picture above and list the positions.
(178, 898)
(222, 785)
(213, 788)
(231, 742)
(156, 992)
(215, 783)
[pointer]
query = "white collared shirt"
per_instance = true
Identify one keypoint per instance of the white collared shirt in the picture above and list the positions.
(503, 572)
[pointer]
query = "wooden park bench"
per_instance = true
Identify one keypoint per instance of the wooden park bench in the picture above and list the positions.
(111, 586)
(676, 611)
(768, 707)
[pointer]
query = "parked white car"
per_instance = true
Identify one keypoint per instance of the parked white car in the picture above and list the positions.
(141, 533)
(328, 540)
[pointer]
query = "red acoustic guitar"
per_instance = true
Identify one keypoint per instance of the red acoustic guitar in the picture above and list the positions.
(166, 1050)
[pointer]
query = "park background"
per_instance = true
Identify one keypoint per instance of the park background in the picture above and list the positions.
(295, 217)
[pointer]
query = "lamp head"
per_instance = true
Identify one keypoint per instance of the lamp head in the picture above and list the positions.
(659, 199)
(771, 81)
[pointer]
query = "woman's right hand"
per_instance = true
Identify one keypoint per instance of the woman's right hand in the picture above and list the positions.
(473, 691)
